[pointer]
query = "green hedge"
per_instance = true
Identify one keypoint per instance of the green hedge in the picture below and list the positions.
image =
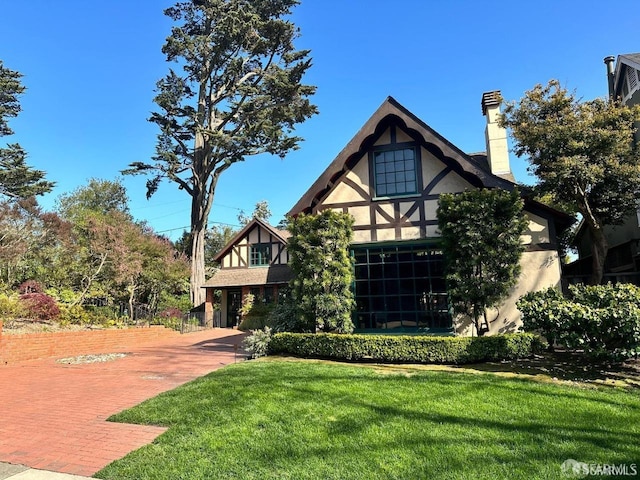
(406, 349)
(601, 320)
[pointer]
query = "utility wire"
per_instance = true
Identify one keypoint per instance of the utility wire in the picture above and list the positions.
(189, 226)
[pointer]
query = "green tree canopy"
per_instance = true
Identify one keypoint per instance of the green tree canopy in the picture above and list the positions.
(240, 93)
(261, 211)
(215, 239)
(323, 270)
(17, 179)
(481, 244)
(582, 153)
(98, 197)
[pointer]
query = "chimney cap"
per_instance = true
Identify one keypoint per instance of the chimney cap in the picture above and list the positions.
(490, 99)
(609, 61)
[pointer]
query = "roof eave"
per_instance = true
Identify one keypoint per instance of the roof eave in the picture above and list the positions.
(365, 135)
(274, 231)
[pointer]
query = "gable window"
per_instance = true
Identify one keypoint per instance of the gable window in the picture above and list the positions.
(395, 172)
(260, 255)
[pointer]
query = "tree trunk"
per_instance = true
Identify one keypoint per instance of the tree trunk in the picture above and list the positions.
(132, 293)
(599, 249)
(198, 225)
(80, 300)
(476, 321)
(197, 266)
(200, 201)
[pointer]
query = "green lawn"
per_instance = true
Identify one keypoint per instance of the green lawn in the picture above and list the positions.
(281, 419)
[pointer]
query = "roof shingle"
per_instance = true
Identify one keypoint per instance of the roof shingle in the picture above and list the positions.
(240, 277)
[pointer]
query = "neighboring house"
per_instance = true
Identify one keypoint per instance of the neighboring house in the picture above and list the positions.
(624, 80)
(254, 261)
(388, 178)
(623, 258)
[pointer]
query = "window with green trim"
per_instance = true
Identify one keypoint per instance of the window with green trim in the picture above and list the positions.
(260, 255)
(400, 286)
(395, 172)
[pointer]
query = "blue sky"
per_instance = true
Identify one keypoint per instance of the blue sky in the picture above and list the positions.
(91, 67)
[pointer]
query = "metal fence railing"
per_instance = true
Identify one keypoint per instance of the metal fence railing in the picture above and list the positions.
(196, 321)
(622, 277)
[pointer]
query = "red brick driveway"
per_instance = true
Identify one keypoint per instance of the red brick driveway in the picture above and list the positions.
(52, 415)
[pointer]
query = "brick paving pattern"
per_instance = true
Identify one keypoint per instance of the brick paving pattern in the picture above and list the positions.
(54, 415)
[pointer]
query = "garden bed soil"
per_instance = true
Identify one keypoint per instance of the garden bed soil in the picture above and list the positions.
(21, 326)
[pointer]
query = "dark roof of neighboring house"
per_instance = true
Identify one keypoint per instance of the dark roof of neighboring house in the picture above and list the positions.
(623, 62)
(240, 277)
(391, 111)
(281, 235)
(634, 57)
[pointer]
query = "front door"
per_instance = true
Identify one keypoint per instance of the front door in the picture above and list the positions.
(234, 302)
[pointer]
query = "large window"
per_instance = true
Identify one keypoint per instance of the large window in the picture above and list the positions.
(395, 172)
(260, 255)
(400, 287)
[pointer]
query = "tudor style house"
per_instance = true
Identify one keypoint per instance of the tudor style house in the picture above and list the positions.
(254, 261)
(623, 258)
(389, 178)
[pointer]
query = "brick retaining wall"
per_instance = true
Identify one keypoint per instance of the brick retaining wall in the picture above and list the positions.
(32, 346)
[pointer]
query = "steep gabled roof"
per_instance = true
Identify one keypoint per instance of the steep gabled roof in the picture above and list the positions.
(627, 60)
(392, 112)
(631, 59)
(281, 235)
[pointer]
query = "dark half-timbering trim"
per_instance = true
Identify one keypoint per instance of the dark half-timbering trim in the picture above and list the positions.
(541, 247)
(392, 113)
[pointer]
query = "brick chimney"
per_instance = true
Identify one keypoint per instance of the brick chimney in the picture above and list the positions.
(495, 136)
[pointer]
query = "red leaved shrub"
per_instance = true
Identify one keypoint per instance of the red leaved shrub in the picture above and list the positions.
(40, 306)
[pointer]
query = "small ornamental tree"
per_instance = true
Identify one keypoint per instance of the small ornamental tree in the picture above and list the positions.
(40, 306)
(582, 153)
(323, 271)
(481, 232)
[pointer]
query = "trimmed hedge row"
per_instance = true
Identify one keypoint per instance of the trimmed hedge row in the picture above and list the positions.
(406, 349)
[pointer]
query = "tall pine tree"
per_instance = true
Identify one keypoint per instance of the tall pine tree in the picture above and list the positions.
(17, 179)
(239, 94)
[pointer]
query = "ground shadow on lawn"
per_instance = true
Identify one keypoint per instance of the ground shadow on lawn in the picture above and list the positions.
(551, 367)
(567, 366)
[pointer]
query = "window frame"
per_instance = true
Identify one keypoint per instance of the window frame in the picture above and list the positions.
(374, 168)
(412, 293)
(258, 258)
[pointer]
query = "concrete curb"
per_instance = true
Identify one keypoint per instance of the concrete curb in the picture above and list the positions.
(20, 472)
